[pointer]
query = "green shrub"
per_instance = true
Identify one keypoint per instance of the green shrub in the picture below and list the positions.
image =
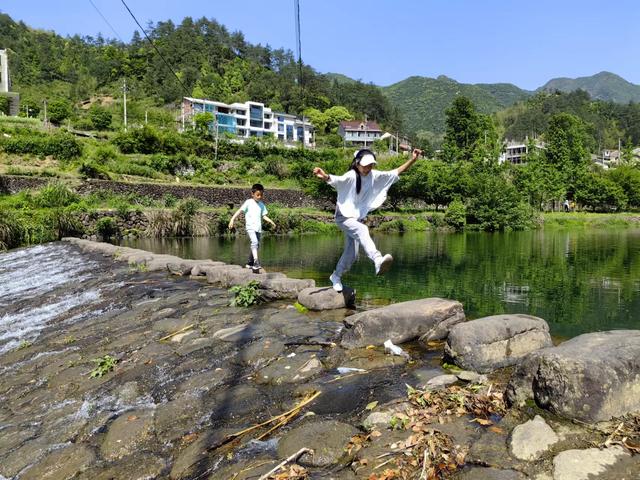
(11, 229)
(59, 111)
(456, 215)
(54, 195)
(100, 117)
(170, 200)
(93, 170)
(106, 227)
(61, 146)
(275, 165)
(104, 154)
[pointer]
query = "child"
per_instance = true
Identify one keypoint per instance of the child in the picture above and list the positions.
(254, 211)
(360, 190)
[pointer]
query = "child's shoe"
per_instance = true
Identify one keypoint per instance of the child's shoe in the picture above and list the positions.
(383, 264)
(336, 282)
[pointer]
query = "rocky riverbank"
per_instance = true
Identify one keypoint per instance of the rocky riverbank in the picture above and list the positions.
(142, 369)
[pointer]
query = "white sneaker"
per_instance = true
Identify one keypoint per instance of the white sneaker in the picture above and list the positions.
(336, 281)
(383, 264)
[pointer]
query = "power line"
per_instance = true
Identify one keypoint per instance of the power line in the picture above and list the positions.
(155, 48)
(105, 20)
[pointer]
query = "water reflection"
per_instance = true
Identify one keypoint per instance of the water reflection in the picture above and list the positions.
(578, 281)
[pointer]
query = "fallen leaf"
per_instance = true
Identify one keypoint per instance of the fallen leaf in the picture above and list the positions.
(372, 405)
(498, 430)
(482, 421)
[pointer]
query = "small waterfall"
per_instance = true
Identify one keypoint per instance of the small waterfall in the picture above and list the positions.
(39, 286)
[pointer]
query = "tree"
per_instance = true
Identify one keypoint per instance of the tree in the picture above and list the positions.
(59, 111)
(596, 192)
(203, 122)
(100, 117)
(462, 130)
(566, 148)
(334, 116)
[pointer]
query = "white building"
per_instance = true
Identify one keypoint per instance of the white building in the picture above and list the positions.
(250, 119)
(516, 152)
(359, 133)
(5, 85)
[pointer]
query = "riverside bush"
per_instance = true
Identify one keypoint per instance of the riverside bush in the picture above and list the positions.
(106, 227)
(456, 215)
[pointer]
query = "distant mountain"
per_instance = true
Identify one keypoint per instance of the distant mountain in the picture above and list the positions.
(601, 86)
(339, 77)
(422, 101)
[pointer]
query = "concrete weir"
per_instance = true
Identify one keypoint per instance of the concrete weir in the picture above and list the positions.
(273, 285)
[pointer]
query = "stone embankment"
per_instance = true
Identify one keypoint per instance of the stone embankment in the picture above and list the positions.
(192, 376)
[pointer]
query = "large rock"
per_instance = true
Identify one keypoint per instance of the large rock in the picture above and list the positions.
(429, 318)
(327, 439)
(326, 298)
(277, 288)
(127, 433)
(593, 377)
(62, 464)
(498, 341)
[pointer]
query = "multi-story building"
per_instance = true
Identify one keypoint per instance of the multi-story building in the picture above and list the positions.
(359, 133)
(249, 119)
(516, 152)
(5, 84)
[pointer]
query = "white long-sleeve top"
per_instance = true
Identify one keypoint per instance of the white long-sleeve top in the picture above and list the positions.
(372, 194)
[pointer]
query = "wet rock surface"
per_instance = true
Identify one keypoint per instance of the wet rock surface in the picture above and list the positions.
(326, 298)
(429, 318)
(488, 343)
(190, 371)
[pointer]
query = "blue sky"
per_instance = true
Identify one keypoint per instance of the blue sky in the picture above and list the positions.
(385, 41)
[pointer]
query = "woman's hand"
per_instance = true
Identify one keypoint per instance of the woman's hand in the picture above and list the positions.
(318, 172)
(416, 153)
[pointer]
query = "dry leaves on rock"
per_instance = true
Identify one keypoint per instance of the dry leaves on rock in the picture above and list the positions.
(293, 472)
(626, 432)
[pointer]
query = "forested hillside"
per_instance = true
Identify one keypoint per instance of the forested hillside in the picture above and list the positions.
(209, 60)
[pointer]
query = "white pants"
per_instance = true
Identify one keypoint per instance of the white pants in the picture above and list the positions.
(355, 234)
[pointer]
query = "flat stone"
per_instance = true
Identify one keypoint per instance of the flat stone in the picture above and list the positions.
(61, 464)
(428, 319)
(471, 377)
(326, 298)
(328, 440)
(442, 381)
(488, 343)
(126, 433)
(531, 439)
(260, 351)
(234, 334)
(279, 288)
(140, 466)
(374, 419)
(481, 473)
(295, 369)
(586, 464)
(592, 377)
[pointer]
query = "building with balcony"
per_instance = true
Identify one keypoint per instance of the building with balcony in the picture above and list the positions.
(249, 119)
(359, 133)
(516, 152)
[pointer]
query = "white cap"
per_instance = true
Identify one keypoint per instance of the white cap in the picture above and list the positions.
(367, 159)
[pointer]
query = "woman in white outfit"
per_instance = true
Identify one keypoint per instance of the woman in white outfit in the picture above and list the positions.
(360, 190)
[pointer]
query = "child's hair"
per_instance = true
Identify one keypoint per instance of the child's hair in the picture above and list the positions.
(354, 165)
(257, 187)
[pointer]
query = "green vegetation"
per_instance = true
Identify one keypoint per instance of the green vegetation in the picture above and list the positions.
(24, 344)
(103, 366)
(246, 295)
(603, 86)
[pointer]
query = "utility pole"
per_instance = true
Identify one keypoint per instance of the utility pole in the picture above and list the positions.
(124, 90)
(45, 113)
(365, 130)
(146, 118)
